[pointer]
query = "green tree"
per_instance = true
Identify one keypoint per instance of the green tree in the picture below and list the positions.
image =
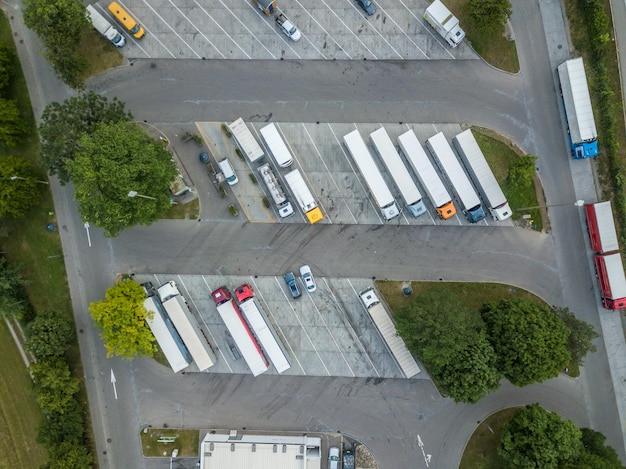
(68, 455)
(55, 384)
(122, 320)
(529, 339)
(595, 454)
(450, 340)
(62, 126)
(17, 196)
(522, 172)
(49, 334)
(8, 62)
(489, 15)
(581, 336)
(58, 427)
(59, 24)
(12, 125)
(13, 301)
(536, 438)
(116, 159)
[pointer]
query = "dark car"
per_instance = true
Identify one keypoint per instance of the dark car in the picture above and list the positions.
(368, 6)
(290, 279)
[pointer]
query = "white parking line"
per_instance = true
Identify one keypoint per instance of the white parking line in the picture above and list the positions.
(173, 30)
(222, 29)
(387, 15)
(331, 335)
(106, 13)
(326, 32)
(302, 326)
(330, 174)
(426, 28)
(269, 312)
(358, 178)
(354, 334)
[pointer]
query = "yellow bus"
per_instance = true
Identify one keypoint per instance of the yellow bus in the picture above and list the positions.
(126, 20)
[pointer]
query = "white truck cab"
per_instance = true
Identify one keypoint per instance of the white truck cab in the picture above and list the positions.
(288, 28)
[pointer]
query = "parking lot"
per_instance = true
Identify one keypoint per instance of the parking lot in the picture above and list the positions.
(330, 173)
(325, 333)
(237, 29)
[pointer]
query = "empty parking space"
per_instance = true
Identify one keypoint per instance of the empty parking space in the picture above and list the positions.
(237, 29)
(330, 174)
(325, 333)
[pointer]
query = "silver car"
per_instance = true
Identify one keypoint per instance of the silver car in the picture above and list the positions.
(307, 278)
(333, 458)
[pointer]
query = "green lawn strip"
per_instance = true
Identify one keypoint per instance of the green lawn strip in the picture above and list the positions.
(19, 412)
(494, 48)
(98, 53)
(481, 450)
(187, 211)
(187, 442)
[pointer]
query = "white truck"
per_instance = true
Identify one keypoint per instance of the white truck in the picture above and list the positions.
(426, 174)
(387, 152)
(444, 22)
(102, 25)
(276, 193)
(303, 196)
(482, 176)
(246, 141)
(288, 28)
(276, 146)
(387, 330)
(451, 168)
(166, 335)
(374, 180)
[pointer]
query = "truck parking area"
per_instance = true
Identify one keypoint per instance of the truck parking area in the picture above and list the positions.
(330, 172)
(237, 29)
(325, 333)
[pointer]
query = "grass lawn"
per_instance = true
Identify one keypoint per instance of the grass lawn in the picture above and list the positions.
(481, 450)
(98, 53)
(19, 412)
(187, 211)
(187, 442)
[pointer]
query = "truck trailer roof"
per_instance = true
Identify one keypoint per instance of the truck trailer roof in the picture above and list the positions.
(582, 125)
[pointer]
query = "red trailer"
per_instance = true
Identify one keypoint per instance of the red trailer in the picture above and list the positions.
(601, 227)
(610, 270)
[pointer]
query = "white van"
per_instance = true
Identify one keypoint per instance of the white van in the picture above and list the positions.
(228, 172)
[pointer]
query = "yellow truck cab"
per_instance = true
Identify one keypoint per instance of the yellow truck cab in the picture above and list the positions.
(126, 20)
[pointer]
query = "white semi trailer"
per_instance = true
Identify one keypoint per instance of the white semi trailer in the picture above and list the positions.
(482, 176)
(374, 180)
(444, 22)
(104, 27)
(387, 152)
(303, 196)
(449, 165)
(246, 141)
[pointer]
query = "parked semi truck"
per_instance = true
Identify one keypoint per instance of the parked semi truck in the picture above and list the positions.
(601, 227)
(451, 168)
(187, 326)
(104, 27)
(303, 196)
(266, 6)
(444, 22)
(481, 175)
(582, 133)
(262, 328)
(239, 331)
(276, 145)
(388, 154)
(387, 329)
(166, 336)
(374, 180)
(426, 174)
(246, 141)
(610, 271)
(276, 193)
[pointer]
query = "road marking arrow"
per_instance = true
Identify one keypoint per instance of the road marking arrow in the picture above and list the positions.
(86, 225)
(113, 381)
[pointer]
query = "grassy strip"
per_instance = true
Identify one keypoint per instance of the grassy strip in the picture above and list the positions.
(19, 412)
(481, 450)
(187, 442)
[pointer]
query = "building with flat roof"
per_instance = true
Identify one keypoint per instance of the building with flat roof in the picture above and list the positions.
(240, 451)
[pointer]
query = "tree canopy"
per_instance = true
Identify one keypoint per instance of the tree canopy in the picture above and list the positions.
(536, 438)
(114, 160)
(529, 339)
(582, 334)
(12, 126)
(63, 125)
(17, 195)
(489, 15)
(56, 385)
(122, 319)
(451, 342)
(13, 301)
(49, 334)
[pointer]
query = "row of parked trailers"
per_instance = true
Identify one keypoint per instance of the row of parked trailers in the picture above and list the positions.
(489, 191)
(608, 259)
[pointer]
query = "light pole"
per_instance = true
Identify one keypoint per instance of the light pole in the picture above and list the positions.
(578, 203)
(15, 178)
(136, 194)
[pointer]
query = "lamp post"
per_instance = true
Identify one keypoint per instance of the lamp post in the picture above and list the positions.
(15, 178)
(578, 203)
(136, 194)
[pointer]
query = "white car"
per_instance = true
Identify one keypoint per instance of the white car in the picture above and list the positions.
(307, 278)
(333, 458)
